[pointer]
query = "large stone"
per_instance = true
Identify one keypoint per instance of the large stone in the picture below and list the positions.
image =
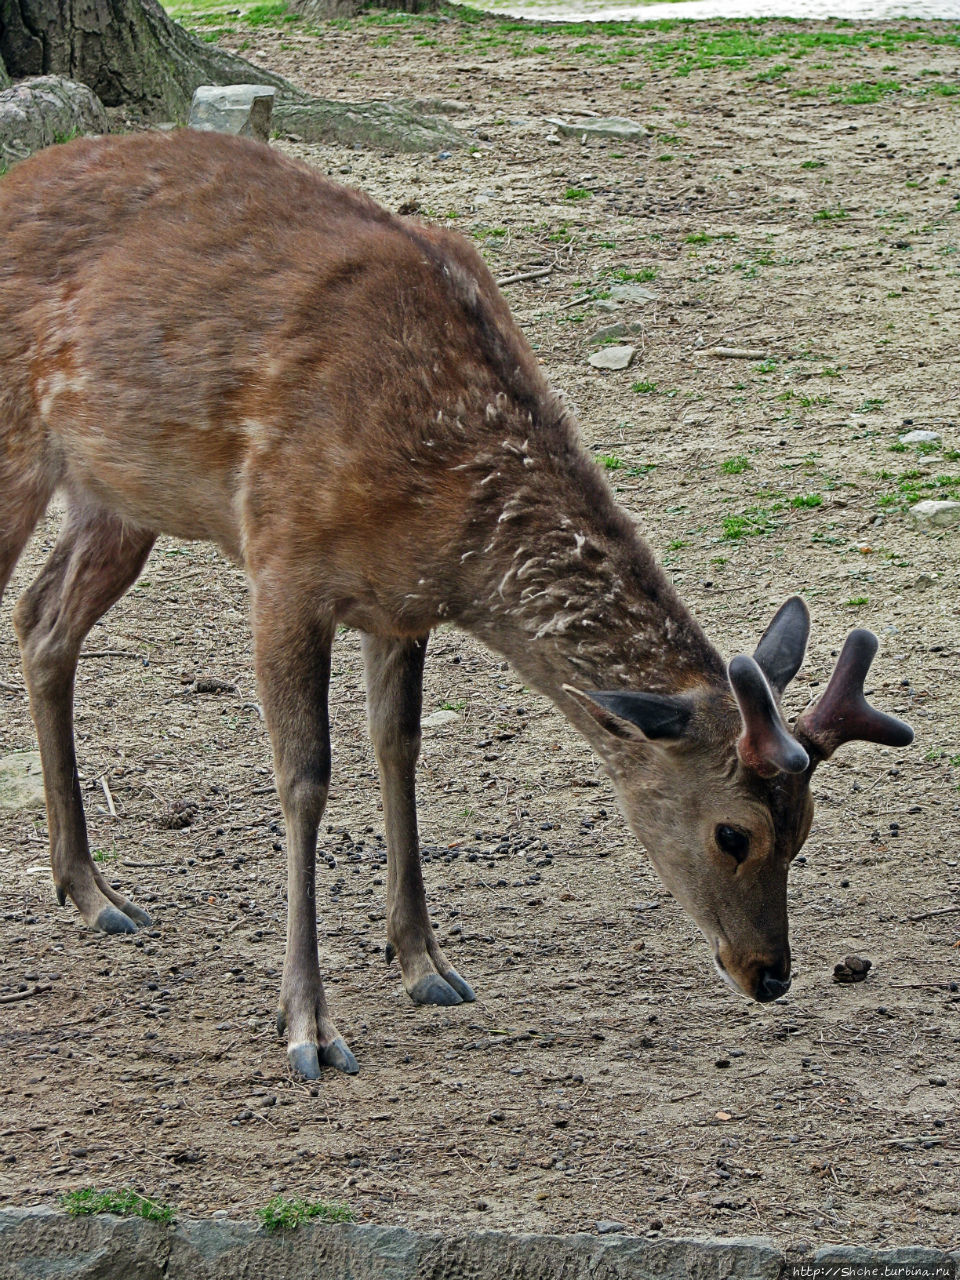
(631, 293)
(391, 126)
(36, 113)
(44, 1243)
(936, 514)
(920, 437)
(244, 109)
(600, 127)
(21, 781)
(613, 357)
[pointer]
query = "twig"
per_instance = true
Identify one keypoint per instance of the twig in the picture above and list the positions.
(38, 990)
(11, 688)
(928, 915)
(106, 791)
(736, 353)
(109, 653)
(525, 275)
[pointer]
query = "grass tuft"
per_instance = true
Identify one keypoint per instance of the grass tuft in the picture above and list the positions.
(125, 1204)
(280, 1214)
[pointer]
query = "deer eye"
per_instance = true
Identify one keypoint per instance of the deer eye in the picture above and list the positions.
(733, 841)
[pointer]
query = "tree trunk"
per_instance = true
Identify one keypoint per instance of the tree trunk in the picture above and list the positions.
(128, 51)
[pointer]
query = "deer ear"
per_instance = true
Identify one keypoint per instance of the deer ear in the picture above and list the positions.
(656, 716)
(780, 651)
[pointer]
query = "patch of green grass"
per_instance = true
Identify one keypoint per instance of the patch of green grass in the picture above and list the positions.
(698, 237)
(737, 465)
(864, 91)
(280, 1214)
(752, 523)
(643, 388)
(830, 215)
(643, 276)
(813, 164)
(772, 75)
(577, 193)
(125, 1204)
(856, 601)
(267, 14)
(871, 404)
(807, 500)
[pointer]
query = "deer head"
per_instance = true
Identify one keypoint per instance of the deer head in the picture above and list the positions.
(717, 787)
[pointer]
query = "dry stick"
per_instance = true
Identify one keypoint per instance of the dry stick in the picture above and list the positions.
(24, 995)
(928, 915)
(524, 275)
(106, 791)
(110, 653)
(736, 353)
(11, 688)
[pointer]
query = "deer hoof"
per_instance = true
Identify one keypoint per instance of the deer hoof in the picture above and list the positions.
(463, 989)
(137, 914)
(338, 1055)
(112, 920)
(304, 1060)
(434, 990)
(281, 1022)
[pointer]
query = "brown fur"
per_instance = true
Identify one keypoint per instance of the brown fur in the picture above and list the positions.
(201, 338)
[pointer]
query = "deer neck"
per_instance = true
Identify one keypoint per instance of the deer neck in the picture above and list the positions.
(565, 588)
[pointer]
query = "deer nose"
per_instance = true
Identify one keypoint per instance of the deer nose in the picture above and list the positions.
(770, 987)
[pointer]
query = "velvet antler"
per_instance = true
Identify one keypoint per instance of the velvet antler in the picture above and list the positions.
(766, 745)
(843, 714)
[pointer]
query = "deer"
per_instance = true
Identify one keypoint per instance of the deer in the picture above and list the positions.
(203, 338)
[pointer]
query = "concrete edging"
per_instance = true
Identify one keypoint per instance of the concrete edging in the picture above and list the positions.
(47, 1244)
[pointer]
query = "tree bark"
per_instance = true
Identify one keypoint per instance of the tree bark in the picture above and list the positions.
(128, 51)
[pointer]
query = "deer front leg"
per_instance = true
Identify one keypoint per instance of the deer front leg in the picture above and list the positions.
(394, 670)
(293, 670)
(95, 560)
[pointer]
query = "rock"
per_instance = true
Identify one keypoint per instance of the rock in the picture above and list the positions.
(921, 437)
(438, 718)
(379, 124)
(614, 331)
(600, 127)
(21, 781)
(605, 1228)
(631, 293)
(614, 358)
(46, 109)
(244, 109)
(934, 514)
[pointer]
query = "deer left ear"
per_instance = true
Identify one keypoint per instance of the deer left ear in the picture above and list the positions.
(779, 655)
(655, 716)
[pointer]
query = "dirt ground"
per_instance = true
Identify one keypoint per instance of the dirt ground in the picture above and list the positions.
(783, 203)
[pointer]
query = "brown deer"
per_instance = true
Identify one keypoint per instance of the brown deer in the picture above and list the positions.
(201, 338)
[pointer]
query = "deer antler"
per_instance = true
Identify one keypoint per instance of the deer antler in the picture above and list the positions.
(843, 714)
(766, 745)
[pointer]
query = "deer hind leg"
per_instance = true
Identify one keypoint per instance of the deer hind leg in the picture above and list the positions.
(95, 560)
(394, 698)
(293, 671)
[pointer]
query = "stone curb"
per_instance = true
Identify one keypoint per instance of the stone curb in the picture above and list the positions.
(49, 1244)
